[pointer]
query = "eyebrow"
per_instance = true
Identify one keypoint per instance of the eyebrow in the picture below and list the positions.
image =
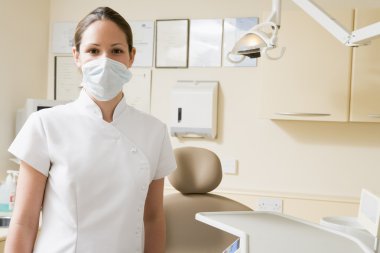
(94, 44)
(119, 44)
(112, 45)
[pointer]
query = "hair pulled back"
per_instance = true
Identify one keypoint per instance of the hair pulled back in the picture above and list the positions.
(103, 13)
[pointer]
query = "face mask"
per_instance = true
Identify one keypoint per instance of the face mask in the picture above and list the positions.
(104, 78)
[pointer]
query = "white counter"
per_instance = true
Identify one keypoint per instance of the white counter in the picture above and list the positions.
(265, 232)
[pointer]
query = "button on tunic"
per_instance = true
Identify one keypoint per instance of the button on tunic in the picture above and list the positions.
(98, 174)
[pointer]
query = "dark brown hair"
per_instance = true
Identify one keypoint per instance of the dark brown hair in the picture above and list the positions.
(103, 13)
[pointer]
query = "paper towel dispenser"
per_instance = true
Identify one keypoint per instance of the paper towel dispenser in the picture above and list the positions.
(194, 107)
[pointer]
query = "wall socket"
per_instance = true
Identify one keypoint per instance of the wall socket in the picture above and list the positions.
(269, 204)
(229, 166)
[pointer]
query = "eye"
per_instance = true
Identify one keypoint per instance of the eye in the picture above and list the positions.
(117, 51)
(93, 51)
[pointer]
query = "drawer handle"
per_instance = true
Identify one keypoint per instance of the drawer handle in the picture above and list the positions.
(374, 115)
(304, 114)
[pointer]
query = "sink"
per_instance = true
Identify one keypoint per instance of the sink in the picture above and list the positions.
(4, 221)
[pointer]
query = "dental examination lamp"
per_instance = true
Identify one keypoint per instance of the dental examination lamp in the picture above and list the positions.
(263, 37)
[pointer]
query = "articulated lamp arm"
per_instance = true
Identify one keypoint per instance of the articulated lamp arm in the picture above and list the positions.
(365, 34)
(355, 38)
(256, 41)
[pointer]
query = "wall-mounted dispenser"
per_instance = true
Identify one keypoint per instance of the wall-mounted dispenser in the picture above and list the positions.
(194, 109)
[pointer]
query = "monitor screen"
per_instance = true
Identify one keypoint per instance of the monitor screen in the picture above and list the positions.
(233, 248)
(41, 107)
(34, 105)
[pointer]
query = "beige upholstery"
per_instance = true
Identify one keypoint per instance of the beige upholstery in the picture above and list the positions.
(198, 172)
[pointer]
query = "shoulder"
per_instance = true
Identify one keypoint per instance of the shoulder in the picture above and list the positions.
(57, 117)
(55, 112)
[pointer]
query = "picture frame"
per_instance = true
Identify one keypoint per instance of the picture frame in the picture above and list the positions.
(67, 78)
(205, 42)
(172, 43)
(143, 41)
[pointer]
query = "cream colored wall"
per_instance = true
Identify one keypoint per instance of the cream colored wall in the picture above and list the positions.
(317, 168)
(23, 66)
(307, 207)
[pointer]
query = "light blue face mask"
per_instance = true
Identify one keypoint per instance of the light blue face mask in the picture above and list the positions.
(104, 78)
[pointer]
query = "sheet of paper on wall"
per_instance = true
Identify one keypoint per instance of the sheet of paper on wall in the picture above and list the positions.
(143, 37)
(234, 29)
(172, 43)
(137, 90)
(67, 78)
(63, 37)
(205, 49)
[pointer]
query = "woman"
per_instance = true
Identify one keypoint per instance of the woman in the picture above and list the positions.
(96, 165)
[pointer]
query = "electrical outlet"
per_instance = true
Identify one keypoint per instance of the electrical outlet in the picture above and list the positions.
(269, 204)
(229, 166)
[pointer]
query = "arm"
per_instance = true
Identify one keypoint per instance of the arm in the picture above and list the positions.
(154, 218)
(25, 218)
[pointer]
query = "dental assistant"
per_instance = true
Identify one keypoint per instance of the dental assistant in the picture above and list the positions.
(96, 166)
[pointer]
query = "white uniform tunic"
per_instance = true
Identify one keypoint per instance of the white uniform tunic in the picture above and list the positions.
(98, 174)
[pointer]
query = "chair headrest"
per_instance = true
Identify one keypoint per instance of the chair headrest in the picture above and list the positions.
(198, 170)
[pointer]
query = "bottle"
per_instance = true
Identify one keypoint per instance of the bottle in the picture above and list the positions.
(11, 182)
(4, 204)
(8, 186)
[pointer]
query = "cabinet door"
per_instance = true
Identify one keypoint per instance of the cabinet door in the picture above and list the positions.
(312, 80)
(365, 96)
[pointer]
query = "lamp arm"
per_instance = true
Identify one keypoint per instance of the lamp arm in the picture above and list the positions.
(274, 57)
(275, 15)
(265, 24)
(355, 38)
(327, 22)
(365, 34)
(273, 45)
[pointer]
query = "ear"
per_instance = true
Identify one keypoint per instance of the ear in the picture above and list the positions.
(76, 57)
(131, 57)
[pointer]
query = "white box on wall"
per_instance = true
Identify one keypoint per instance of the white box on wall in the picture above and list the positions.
(194, 107)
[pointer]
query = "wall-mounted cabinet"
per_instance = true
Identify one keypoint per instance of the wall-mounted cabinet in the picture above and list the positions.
(312, 80)
(365, 95)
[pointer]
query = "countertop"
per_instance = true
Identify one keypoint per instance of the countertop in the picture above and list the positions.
(269, 232)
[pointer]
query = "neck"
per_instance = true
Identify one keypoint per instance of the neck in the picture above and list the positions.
(108, 107)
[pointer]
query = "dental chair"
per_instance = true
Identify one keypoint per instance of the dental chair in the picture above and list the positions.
(198, 172)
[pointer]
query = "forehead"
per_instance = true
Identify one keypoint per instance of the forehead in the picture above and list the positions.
(103, 32)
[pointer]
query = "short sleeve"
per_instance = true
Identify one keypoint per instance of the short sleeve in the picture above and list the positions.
(30, 145)
(166, 163)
